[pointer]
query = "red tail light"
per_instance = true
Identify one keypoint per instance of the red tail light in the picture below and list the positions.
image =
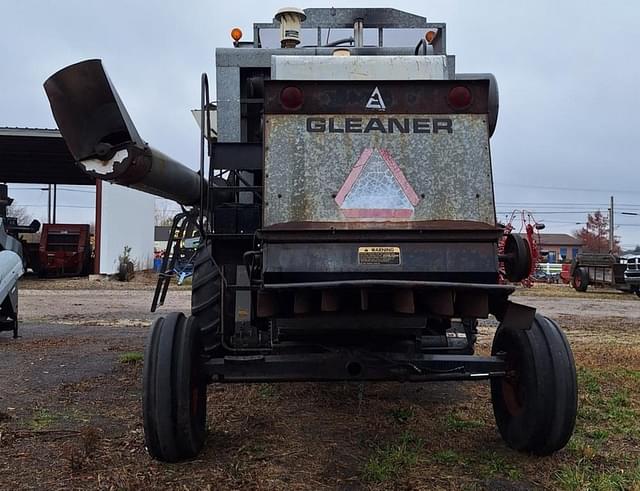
(291, 98)
(459, 97)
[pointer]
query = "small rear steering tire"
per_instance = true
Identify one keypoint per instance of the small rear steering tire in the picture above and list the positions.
(535, 403)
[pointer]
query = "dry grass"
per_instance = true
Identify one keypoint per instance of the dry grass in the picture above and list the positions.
(567, 291)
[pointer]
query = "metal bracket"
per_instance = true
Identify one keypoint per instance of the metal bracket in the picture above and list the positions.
(517, 316)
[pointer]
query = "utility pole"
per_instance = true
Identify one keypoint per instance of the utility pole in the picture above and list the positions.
(611, 233)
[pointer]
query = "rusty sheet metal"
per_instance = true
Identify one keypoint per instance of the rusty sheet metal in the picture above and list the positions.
(400, 97)
(424, 225)
(377, 176)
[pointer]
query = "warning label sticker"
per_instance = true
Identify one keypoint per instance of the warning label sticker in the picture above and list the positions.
(378, 255)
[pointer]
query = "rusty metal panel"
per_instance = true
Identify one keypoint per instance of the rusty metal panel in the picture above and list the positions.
(377, 168)
(415, 257)
(404, 97)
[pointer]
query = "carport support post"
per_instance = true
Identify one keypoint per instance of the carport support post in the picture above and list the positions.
(55, 200)
(97, 237)
(49, 203)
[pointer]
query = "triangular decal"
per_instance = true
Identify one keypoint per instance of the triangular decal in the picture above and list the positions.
(376, 101)
(376, 188)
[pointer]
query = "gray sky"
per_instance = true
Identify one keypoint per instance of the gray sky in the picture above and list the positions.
(568, 72)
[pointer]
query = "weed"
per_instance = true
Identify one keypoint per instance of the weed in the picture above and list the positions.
(604, 412)
(619, 399)
(41, 420)
(588, 381)
(130, 357)
(447, 457)
(584, 475)
(622, 418)
(572, 477)
(610, 480)
(629, 373)
(513, 473)
(402, 414)
(493, 464)
(454, 422)
(598, 434)
(266, 391)
(255, 449)
(392, 460)
(585, 445)
(589, 414)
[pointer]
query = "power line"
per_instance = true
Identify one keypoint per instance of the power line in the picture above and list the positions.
(57, 206)
(31, 188)
(560, 212)
(563, 188)
(592, 207)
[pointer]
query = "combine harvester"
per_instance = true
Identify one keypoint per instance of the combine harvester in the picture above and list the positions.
(347, 223)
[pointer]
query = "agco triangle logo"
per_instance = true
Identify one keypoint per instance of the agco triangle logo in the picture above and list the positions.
(376, 101)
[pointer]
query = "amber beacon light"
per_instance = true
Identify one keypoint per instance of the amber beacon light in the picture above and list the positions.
(236, 34)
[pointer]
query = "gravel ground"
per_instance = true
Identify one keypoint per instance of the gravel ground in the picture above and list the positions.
(627, 307)
(97, 307)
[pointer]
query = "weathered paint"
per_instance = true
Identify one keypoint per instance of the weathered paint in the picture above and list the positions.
(359, 67)
(450, 172)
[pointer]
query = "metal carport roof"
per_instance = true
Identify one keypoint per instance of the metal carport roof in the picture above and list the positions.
(37, 155)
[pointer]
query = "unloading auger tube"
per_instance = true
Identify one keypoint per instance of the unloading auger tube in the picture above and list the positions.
(104, 141)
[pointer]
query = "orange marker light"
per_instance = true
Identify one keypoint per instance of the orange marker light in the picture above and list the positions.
(430, 36)
(236, 34)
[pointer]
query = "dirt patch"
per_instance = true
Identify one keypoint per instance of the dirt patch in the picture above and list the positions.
(94, 307)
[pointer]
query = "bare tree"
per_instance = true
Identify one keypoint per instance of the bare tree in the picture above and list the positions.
(20, 213)
(164, 213)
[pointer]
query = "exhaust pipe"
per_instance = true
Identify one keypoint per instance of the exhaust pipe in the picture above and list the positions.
(104, 141)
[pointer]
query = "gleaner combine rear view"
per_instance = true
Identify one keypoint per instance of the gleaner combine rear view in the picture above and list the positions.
(348, 226)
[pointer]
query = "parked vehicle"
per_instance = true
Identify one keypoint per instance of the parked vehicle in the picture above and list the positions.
(632, 273)
(599, 270)
(65, 250)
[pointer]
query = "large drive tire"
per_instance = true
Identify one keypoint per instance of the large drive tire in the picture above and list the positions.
(535, 404)
(174, 403)
(580, 280)
(206, 302)
(206, 298)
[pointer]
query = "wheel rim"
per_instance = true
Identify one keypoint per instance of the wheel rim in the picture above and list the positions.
(512, 393)
(196, 388)
(195, 396)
